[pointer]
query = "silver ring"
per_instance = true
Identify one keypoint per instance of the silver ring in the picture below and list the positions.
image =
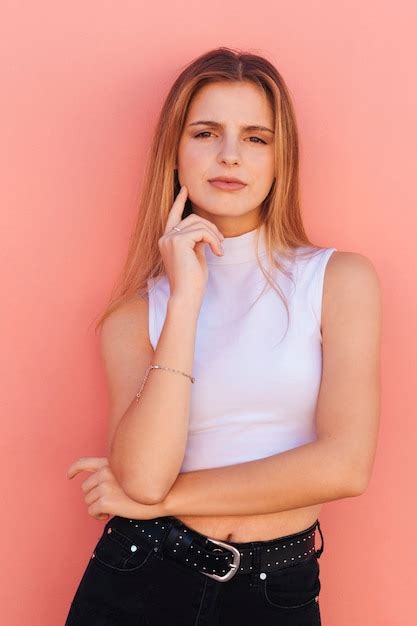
(175, 228)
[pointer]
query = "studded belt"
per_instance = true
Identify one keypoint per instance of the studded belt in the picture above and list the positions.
(218, 559)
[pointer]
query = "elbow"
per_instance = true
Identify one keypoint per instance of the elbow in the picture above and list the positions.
(145, 494)
(144, 491)
(362, 485)
(131, 486)
(353, 471)
(356, 484)
(360, 472)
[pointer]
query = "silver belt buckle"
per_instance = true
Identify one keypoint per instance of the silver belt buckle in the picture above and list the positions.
(234, 566)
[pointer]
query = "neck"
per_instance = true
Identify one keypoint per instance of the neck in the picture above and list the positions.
(239, 249)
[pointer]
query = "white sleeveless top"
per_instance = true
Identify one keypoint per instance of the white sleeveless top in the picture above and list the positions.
(256, 386)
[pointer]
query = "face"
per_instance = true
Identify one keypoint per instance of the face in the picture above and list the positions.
(223, 146)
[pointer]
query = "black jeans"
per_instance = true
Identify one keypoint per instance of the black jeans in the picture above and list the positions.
(121, 587)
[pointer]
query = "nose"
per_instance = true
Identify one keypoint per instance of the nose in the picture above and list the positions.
(229, 152)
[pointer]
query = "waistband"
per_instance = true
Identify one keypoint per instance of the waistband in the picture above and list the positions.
(221, 560)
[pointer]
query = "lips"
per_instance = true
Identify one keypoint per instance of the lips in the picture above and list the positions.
(227, 179)
(227, 184)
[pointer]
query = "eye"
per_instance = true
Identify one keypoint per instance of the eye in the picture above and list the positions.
(209, 133)
(202, 133)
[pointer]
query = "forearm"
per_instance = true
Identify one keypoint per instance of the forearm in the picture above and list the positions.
(310, 474)
(149, 443)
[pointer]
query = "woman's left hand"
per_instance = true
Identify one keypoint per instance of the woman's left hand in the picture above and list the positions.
(104, 495)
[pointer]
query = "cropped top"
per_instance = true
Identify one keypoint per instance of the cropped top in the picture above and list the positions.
(257, 369)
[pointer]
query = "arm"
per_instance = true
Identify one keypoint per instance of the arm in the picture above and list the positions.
(339, 463)
(304, 476)
(147, 438)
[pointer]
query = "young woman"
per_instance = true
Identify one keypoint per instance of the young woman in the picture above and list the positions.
(243, 372)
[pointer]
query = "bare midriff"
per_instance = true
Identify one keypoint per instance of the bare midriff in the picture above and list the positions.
(263, 527)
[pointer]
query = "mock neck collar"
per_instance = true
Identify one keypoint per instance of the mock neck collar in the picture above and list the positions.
(240, 249)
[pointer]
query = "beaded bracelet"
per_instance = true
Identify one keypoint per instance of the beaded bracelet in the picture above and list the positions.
(159, 367)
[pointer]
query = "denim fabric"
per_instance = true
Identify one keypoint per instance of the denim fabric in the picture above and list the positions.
(124, 588)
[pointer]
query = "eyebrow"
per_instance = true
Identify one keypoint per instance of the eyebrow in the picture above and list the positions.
(218, 125)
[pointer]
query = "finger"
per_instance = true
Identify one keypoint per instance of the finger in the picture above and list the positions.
(196, 219)
(177, 209)
(92, 495)
(95, 510)
(95, 506)
(91, 482)
(202, 234)
(89, 464)
(86, 463)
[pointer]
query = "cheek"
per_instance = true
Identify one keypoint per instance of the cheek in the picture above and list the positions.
(194, 167)
(264, 171)
(264, 159)
(192, 155)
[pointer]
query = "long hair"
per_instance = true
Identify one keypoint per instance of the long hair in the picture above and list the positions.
(280, 210)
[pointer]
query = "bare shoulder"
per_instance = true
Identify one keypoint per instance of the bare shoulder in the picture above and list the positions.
(351, 290)
(350, 262)
(129, 322)
(349, 276)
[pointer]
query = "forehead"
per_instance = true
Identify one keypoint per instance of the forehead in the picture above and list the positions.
(224, 101)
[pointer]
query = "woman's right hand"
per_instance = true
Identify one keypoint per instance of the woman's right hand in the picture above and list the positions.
(183, 251)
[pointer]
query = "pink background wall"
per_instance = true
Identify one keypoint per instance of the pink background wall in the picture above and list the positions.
(81, 87)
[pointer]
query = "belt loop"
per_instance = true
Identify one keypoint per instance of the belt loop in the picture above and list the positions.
(256, 564)
(318, 552)
(170, 540)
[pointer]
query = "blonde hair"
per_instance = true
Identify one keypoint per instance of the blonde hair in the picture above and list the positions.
(280, 210)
